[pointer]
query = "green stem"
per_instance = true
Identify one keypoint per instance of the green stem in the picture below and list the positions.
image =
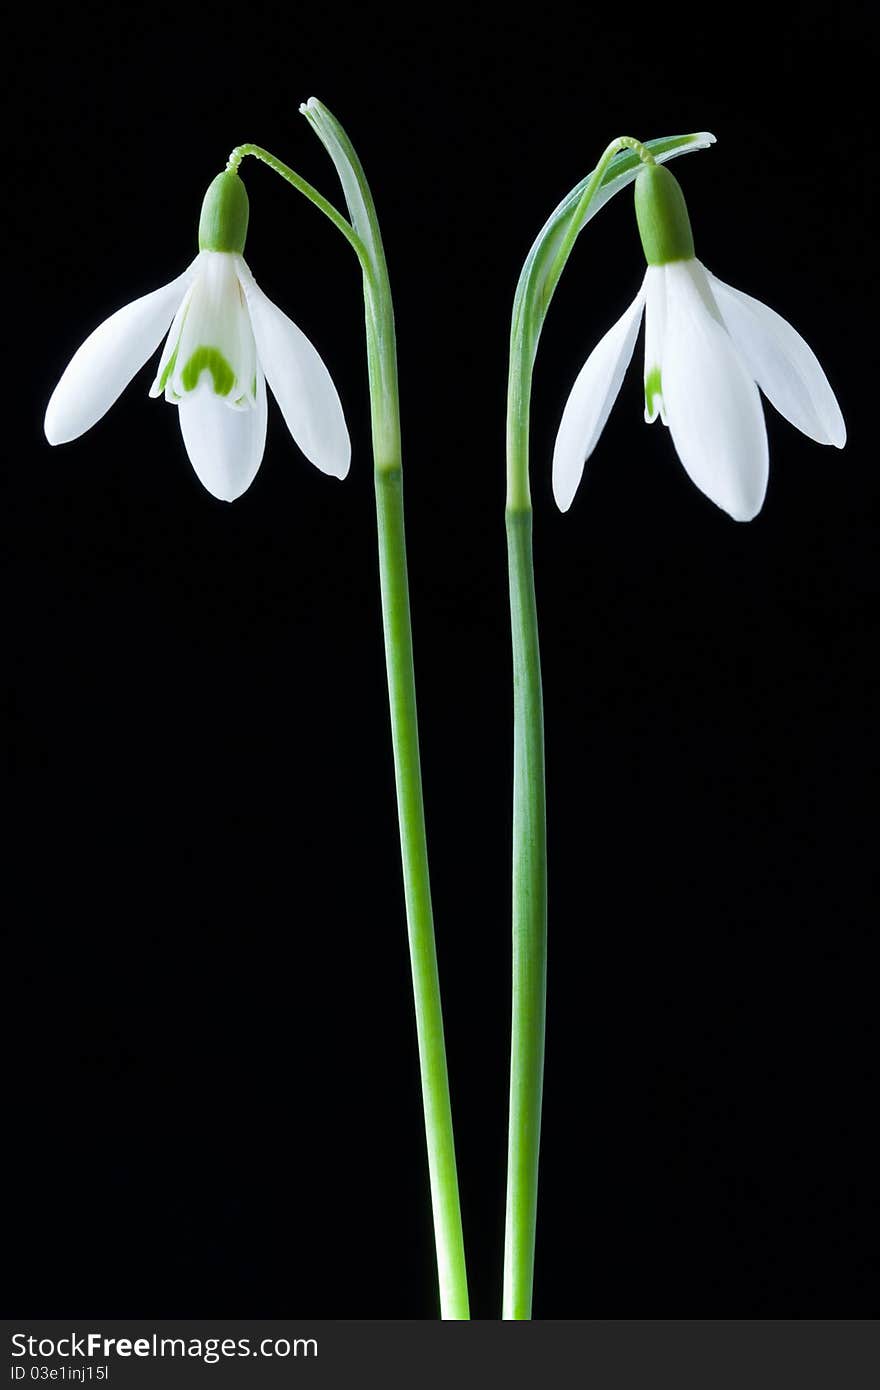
(292, 177)
(388, 476)
(423, 957)
(529, 924)
(364, 235)
(538, 281)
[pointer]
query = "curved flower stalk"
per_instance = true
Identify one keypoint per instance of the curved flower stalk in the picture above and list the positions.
(708, 348)
(225, 340)
(544, 264)
(363, 234)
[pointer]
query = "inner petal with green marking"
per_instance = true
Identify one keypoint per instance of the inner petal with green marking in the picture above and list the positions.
(162, 379)
(208, 359)
(211, 345)
(653, 393)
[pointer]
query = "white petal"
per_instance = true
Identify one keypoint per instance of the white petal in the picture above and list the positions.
(713, 406)
(102, 367)
(300, 382)
(225, 446)
(592, 396)
(783, 365)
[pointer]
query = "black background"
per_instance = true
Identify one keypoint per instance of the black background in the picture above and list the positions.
(213, 1094)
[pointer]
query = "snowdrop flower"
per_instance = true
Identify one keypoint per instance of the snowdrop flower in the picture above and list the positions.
(226, 340)
(708, 348)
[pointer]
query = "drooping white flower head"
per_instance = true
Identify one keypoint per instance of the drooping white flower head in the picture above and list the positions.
(707, 350)
(226, 340)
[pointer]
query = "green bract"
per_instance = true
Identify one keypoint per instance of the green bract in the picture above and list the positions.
(224, 221)
(662, 215)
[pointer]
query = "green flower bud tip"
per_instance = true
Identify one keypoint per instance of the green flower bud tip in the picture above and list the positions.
(224, 221)
(662, 215)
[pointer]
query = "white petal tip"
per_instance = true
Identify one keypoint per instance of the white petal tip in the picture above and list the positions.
(226, 489)
(55, 429)
(563, 495)
(567, 474)
(326, 463)
(335, 466)
(225, 496)
(740, 509)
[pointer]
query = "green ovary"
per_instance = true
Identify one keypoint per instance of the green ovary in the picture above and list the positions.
(653, 387)
(212, 360)
(662, 215)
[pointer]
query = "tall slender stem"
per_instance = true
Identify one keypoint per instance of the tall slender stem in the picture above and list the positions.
(363, 235)
(529, 923)
(385, 414)
(540, 275)
(388, 477)
(423, 957)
